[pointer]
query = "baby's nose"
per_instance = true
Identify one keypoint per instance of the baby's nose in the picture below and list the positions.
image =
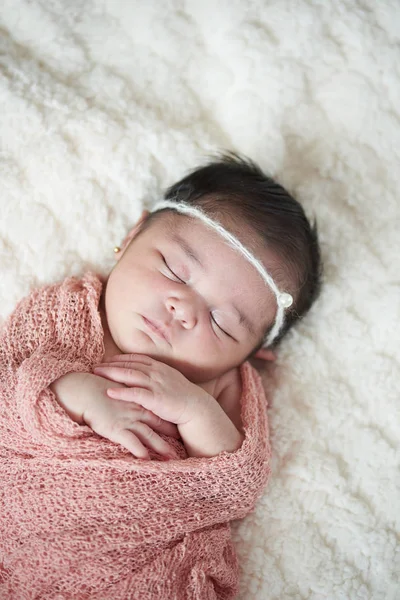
(182, 310)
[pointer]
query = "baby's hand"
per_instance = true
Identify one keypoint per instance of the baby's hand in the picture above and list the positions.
(154, 385)
(83, 396)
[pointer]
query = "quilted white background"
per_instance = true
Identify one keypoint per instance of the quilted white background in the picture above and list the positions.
(103, 103)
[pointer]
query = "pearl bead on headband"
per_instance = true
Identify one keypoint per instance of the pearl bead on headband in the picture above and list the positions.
(283, 299)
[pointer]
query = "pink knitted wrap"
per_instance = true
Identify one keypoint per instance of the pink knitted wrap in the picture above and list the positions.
(80, 517)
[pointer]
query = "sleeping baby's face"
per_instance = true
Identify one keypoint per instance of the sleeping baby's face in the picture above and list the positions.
(180, 294)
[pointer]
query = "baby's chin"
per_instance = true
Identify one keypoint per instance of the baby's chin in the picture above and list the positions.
(194, 372)
(191, 371)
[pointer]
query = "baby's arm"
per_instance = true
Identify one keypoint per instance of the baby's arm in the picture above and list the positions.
(74, 392)
(211, 431)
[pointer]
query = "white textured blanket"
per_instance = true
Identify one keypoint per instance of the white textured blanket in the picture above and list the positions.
(105, 103)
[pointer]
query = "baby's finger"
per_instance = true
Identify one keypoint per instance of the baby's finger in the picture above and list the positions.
(162, 406)
(125, 375)
(130, 441)
(136, 394)
(149, 437)
(159, 424)
(141, 358)
(123, 365)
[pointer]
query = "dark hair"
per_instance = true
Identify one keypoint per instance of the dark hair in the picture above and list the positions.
(236, 187)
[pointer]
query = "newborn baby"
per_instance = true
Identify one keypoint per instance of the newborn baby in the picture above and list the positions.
(217, 273)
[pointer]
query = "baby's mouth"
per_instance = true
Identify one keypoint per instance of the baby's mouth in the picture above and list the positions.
(157, 328)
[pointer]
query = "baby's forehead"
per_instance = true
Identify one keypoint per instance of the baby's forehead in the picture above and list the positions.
(193, 237)
(184, 225)
(197, 239)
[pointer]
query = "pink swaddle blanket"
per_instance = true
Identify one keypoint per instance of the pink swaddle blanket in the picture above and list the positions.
(80, 517)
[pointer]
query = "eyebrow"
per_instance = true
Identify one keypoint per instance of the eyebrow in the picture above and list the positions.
(194, 257)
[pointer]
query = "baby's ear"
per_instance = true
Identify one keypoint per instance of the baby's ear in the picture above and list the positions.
(265, 354)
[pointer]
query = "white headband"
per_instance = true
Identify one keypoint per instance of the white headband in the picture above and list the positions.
(283, 299)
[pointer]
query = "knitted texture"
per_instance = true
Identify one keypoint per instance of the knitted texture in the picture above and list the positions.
(80, 517)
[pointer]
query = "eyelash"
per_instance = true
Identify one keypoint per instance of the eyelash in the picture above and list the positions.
(184, 282)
